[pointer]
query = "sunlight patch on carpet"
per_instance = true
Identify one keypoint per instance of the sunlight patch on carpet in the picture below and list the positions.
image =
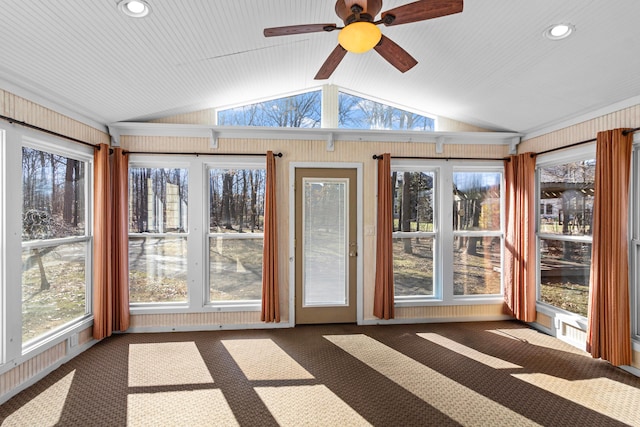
(485, 359)
(162, 364)
(262, 359)
(530, 336)
(439, 391)
(179, 408)
(53, 398)
(610, 398)
(313, 405)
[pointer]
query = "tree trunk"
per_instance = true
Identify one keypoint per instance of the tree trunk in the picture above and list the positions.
(44, 283)
(406, 210)
(227, 185)
(243, 201)
(472, 246)
(253, 203)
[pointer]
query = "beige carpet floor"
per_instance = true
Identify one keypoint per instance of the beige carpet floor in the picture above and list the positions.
(472, 374)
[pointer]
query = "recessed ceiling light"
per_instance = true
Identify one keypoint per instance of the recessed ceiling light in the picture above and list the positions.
(559, 31)
(134, 8)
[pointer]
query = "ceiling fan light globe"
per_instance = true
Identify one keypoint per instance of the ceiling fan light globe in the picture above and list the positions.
(359, 37)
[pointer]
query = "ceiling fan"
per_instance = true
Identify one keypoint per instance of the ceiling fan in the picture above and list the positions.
(360, 32)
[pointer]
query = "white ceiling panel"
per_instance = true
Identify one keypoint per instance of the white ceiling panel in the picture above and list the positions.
(489, 65)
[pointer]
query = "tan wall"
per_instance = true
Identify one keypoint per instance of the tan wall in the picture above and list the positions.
(626, 118)
(29, 112)
(315, 151)
(446, 124)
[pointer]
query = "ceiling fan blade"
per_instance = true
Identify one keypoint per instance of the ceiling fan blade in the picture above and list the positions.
(395, 55)
(331, 63)
(422, 10)
(298, 29)
(371, 7)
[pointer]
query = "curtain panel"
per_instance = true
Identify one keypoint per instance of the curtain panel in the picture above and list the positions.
(120, 239)
(270, 293)
(102, 291)
(520, 243)
(383, 299)
(110, 243)
(609, 330)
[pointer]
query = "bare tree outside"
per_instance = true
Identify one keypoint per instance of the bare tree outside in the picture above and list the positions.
(300, 111)
(236, 225)
(476, 208)
(413, 196)
(360, 113)
(54, 241)
(158, 225)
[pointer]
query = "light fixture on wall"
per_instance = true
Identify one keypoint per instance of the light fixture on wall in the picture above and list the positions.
(134, 8)
(559, 31)
(359, 37)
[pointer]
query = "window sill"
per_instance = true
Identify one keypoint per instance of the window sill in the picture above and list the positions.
(220, 307)
(432, 301)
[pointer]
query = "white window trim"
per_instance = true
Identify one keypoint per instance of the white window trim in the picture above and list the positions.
(634, 244)
(558, 315)
(198, 233)
(225, 162)
(443, 290)
(16, 139)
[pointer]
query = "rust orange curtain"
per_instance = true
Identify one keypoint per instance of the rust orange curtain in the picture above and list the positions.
(608, 331)
(383, 303)
(520, 245)
(110, 243)
(270, 295)
(120, 239)
(102, 291)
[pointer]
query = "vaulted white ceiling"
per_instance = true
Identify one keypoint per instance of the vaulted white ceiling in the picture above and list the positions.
(489, 65)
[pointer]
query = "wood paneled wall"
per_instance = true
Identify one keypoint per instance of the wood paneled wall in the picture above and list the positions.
(626, 118)
(29, 112)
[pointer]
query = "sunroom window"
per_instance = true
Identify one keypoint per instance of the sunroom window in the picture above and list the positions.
(414, 236)
(236, 227)
(566, 189)
(298, 111)
(355, 112)
(158, 232)
(55, 240)
(477, 233)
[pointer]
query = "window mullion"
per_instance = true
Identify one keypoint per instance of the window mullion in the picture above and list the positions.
(445, 264)
(197, 249)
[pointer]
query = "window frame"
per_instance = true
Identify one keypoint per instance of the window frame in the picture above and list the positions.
(582, 153)
(83, 154)
(500, 233)
(443, 229)
(404, 109)
(236, 163)
(162, 162)
(634, 241)
(198, 230)
(411, 166)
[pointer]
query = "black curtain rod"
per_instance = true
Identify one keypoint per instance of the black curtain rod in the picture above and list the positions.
(50, 132)
(198, 154)
(586, 141)
(376, 157)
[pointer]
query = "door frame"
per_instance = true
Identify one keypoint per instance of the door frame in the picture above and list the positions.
(359, 231)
